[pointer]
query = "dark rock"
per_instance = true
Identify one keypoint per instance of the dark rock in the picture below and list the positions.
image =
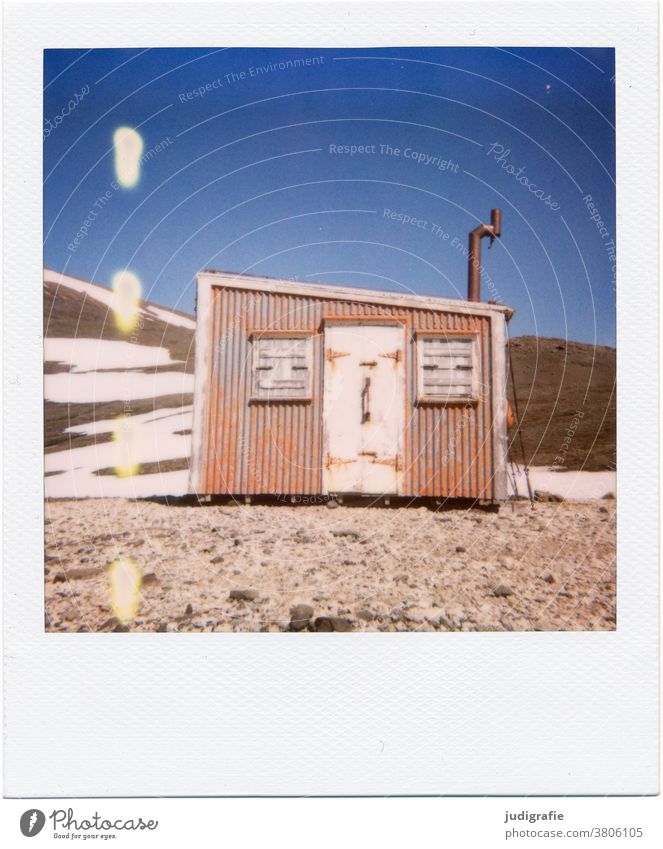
(502, 591)
(188, 610)
(460, 549)
(549, 579)
(346, 533)
(237, 541)
(332, 623)
(300, 616)
(149, 578)
(402, 577)
(76, 574)
(603, 509)
(543, 495)
(217, 559)
(243, 595)
(609, 495)
(365, 615)
(121, 628)
(162, 628)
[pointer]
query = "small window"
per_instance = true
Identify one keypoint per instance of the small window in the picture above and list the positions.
(447, 368)
(281, 368)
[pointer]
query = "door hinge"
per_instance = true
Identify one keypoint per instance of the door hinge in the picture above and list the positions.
(396, 462)
(335, 461)
(396, 355)
(331, 354)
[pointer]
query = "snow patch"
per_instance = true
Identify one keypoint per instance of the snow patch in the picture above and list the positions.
(71, 473)
(572, 486)
(99, 387)
(171, 317)
(85, 355)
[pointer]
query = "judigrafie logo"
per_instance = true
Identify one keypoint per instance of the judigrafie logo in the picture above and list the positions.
(32, 822)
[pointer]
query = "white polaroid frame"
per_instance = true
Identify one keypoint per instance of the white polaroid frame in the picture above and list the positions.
(363, 713)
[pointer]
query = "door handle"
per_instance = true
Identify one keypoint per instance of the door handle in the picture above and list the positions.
(366, 401)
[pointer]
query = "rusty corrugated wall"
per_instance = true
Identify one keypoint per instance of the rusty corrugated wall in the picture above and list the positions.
(276, 448)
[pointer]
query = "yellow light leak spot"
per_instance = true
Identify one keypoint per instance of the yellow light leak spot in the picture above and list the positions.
(126, 300)
(128, 150)
(125, 581)
(127, 438)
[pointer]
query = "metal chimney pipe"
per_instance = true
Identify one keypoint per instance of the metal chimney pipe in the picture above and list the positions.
(493, 230)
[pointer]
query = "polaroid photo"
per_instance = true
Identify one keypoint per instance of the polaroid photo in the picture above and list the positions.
(331, 397)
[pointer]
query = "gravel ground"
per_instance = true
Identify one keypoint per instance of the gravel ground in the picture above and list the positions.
(550, 567)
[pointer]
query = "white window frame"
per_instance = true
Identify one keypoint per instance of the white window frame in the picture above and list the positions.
(266, 396)
(442, 336)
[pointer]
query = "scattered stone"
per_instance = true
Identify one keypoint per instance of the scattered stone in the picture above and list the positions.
(121, 628)
(403, 577)
(365, 615)
(543, 495)
(300, 616)
(603, 509)
(188, 610)
(352, 534)
(217, 559)
(487, 628)
(460, 549)
(149, 578)
(609, 495)
(76, 574)
(162, 628)
(243, 595)
(501, 591)
(237, 541)
(549, 579)
(332, 504)
(332, 623)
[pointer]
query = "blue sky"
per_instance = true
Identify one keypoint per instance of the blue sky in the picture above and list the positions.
(256, 172)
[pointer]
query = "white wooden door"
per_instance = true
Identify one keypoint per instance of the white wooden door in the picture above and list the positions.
(364, 408)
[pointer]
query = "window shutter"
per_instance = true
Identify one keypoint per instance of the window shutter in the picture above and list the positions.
(282, 368)
(447, 369)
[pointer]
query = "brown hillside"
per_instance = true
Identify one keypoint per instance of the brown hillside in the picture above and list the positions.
(566, 400)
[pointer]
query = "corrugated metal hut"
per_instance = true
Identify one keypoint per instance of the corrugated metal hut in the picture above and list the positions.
(314, 390)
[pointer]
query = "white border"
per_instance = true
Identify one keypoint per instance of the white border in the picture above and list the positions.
(547, 713)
